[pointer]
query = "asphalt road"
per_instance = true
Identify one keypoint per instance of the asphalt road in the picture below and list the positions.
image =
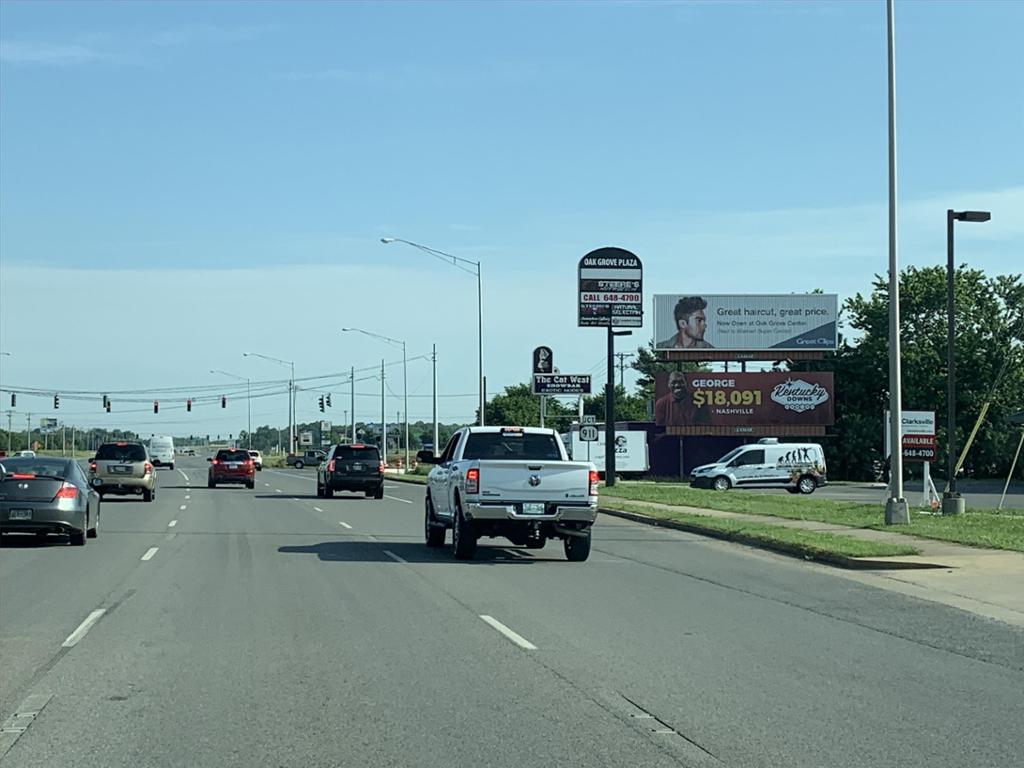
(272, 628)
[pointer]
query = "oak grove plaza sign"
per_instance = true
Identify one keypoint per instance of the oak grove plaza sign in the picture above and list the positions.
(611, 289)
(747, 322)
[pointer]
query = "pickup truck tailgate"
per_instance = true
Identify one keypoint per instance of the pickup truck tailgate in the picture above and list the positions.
(553, 481)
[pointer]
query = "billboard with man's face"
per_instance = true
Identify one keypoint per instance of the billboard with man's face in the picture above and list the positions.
(745, 323)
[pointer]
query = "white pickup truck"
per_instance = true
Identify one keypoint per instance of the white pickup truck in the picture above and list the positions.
(515, 482)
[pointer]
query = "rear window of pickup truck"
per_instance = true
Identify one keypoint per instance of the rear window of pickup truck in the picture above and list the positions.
(522, 446)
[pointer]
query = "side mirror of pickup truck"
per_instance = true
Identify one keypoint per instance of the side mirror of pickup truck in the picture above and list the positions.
(426, 457)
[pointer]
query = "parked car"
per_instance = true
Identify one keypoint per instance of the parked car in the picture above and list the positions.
(353, 467)
(257, 459)
(231, 465)
(299, 460)
(25, 454)
(797, 467)
(515, 482)
(122, 468)
(43, 495)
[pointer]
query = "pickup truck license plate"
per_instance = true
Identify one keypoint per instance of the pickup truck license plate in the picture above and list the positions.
(533, 509)
(20, 514)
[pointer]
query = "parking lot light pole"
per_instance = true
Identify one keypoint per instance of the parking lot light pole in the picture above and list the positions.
(473, 268)
(405, 379)
(291, 394)
(952, 502)
(248, 399)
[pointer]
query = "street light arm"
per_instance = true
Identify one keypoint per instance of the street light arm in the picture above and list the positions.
(268, 357)
(398, 343)
(442, 255)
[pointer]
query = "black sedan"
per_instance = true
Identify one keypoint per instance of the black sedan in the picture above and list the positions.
(47, 495)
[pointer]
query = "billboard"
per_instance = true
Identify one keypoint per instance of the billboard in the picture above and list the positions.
(610, 289)
(773, 399)
(561, 384)
(732, 322)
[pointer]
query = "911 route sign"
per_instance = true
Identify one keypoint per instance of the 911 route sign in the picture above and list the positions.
(611, 289)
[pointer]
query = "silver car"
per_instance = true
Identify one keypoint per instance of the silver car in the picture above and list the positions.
(43, 495)
(122, 468)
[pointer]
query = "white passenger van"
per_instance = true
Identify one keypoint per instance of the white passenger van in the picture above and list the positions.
(161, 451)
(797, 467)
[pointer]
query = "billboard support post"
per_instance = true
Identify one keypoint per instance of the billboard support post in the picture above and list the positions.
(609, 414)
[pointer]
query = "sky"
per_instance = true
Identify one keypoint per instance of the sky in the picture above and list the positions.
(181, 183)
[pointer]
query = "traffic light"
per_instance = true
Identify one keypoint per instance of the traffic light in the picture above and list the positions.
(156, 406)
(328, 399)
(321, 403)
(188, 405)
(106, 402)
(14, 399)
(56, 401)
(223, 401)
(108, 405)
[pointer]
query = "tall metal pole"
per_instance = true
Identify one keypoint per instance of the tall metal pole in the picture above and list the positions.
(28, 431)
(248, 405)
(897, 511)
(383, 419)
(353, 397)
(405, 405)
(480, 339)
(952, 502)
(433, 358)
(609, 414)
(291, 412)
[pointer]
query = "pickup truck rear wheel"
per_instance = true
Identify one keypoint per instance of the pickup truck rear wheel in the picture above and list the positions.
(434, 534)
(298, 465)
(577, 548)
(463, 536)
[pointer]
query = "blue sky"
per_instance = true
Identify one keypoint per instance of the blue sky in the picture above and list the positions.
(189, 163)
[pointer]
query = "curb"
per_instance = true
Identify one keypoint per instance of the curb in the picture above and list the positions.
(404, 479)
(841, 561)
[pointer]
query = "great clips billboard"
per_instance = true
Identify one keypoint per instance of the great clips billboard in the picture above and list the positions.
(745, 323)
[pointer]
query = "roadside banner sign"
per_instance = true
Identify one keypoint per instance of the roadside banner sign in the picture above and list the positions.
(917, 436)
(610, 289)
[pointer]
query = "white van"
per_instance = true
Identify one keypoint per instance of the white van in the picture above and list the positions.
(161, 451)
(797, 467)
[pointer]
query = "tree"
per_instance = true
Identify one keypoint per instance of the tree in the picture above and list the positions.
(518, 406)
(627, 407)
(990, 362)
(649, 366)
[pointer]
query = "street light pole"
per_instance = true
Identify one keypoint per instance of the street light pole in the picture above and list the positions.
(291, 394)
(353, 396)
(405, 378)
(897, 512)
(433, 358)
(457, 261)
(383, 419)
(952, 502)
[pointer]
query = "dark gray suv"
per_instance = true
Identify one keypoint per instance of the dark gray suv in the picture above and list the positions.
(353, 467)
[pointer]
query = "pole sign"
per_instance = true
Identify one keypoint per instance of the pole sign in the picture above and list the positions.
(917, 435)
(589, 433)
(306, 438)
(561, 384)
(543, 360)
(611, 289)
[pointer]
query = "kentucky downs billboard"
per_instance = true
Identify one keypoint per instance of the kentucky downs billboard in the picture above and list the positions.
(745, 323)
(790, 399)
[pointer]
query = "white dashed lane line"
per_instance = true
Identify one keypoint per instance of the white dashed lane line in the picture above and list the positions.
(345, 525)
(318, 509)
(278, 490)
(183, 475)
(172, 523)
(395, 557)
(187, 497)
(182, 508)
(395, 498)
(515, 637)
(149, 553)
(84, 627)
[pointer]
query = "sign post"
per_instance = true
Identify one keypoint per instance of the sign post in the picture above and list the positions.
(610, 296)
(543, 363)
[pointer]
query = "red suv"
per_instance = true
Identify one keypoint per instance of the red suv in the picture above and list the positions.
(231, 466)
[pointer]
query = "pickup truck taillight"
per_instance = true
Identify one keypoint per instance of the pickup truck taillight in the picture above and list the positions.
(330, 465)
(593, 483)
(381, 467)
(473, 480)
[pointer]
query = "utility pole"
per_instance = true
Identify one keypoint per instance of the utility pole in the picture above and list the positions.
(10, 417)
(383, 420)
(28, 431)
(353, 393)
(433, 358)
(623, 357)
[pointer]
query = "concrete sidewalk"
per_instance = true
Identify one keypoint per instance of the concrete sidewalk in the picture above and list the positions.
(989, 582)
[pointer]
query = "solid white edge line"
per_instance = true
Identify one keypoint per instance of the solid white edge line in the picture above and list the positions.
(149, 553)
(516, 638)
(172, 523)
(395, 557)
(84, 627)
(395, 498)
(344, 524)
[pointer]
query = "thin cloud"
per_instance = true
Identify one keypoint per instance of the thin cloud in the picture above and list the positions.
(21, 52)
(209, 34)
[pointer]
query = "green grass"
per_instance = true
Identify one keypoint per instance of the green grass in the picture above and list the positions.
(810, 543)
(410, 477)
(974, 528)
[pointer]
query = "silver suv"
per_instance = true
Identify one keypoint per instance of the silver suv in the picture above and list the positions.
(122, 468)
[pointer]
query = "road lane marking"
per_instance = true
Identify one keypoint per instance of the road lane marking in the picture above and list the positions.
(395, 498)
(267, 484)
(344, 524)
(15, 725)
(278, 490)
(149, 553)
(83, 628)
(182, 508)
(516, 638)
(318, 509)
(184, 475)
(172, 523)
(395, 557)
(187, 497)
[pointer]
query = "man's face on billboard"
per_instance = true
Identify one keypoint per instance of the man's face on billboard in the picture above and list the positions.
(677, 384)
(694, 325)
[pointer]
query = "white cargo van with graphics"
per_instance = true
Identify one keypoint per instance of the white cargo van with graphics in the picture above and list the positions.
(797, 467)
